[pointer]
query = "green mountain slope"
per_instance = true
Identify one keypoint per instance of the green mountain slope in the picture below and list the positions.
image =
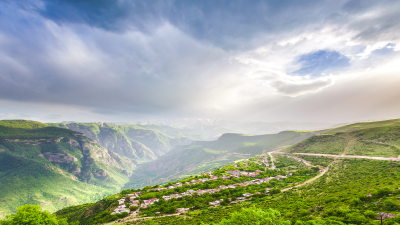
(129, 140)
(202, 156)
(363, 125)
(380, 141)
(54, 166)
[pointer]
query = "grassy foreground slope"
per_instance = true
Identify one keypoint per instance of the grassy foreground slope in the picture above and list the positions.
(54, 167)
(203, 156)
(381, 141)
(352, 192)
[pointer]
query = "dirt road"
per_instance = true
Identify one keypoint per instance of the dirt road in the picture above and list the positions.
(349, 156)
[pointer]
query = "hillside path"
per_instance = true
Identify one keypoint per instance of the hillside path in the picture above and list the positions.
(310, 180)
(272, 161)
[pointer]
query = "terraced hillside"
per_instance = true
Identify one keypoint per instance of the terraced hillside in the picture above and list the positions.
(55, 167)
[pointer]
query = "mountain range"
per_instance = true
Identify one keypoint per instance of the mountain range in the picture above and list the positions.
(61, 164)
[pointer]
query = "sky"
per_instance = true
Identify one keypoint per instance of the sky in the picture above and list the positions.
(131, 60)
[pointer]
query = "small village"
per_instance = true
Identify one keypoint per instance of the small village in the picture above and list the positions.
(132, 201)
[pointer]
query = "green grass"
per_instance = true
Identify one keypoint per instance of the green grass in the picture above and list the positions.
(25, 124)
(376, 142)
(323, 144)
(317, 160)
(363, 125)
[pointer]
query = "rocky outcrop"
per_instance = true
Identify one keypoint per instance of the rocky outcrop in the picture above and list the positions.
(58, 157)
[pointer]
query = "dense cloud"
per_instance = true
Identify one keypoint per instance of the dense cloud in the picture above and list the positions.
(229, 59)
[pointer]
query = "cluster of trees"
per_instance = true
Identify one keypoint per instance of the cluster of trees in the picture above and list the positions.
(32, 215)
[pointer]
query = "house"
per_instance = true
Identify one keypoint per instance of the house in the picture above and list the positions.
(216, 203)
(190, 192)
(154, 200)
(182, 210)
(121, 201)
(231, 186)
(212, 191)
(253, 174)
(266, 180)
(120, 210)
(247, 195)
(131, 199)
(135, 203)
(200, 192)
(166, 198)
(187, 183)
(176, 196)
(244, 173)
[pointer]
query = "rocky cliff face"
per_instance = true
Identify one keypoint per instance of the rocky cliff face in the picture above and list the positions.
(42, 165)
(111, 138)
(129, 140)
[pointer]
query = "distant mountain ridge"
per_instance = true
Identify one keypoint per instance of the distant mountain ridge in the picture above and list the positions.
(130, 140)
(217, 127)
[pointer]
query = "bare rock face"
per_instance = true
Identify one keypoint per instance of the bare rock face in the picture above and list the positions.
(126, 172)
(100, 173)
(59, 157)
(73, 143)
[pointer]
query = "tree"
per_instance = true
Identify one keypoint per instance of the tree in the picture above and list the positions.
(255, 216)
(275, 191)
(31, 215)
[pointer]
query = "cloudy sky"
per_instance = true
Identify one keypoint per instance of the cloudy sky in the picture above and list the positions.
(130, 60)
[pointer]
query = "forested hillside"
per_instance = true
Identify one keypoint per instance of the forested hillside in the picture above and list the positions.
(55, 167)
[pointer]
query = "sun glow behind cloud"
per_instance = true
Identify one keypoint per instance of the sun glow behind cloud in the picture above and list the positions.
(170, 62)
